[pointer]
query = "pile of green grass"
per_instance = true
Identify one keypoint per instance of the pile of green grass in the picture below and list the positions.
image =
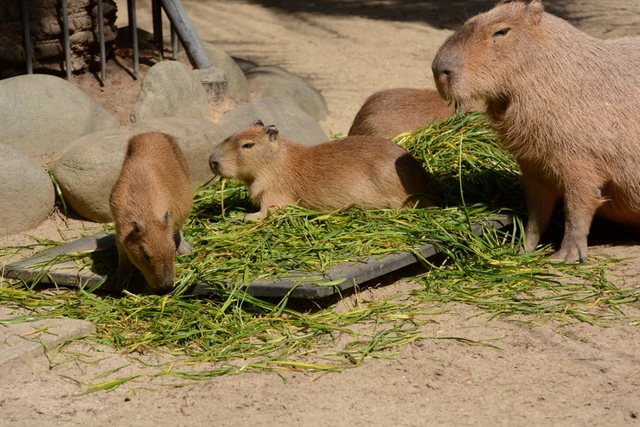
(238, 332)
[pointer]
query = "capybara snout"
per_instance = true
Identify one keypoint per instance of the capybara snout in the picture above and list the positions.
(443, 72)
(151, 247)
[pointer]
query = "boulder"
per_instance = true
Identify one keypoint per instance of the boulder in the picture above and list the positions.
(27, 195)
(42, 114)
(170, 89)
(87, 171)
(214, 82)
(293, 123)
(274, 81)
(237, 86)
(244, 64)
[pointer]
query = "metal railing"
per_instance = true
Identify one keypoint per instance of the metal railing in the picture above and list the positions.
(181, 28)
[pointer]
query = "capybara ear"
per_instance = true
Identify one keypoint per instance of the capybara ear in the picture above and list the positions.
(535, 9)
(138, 226)
(272, 132)
(165, 218)
(259, 123)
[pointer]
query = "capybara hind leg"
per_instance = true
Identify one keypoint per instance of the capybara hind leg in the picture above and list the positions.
(579, 208)
(540, 203)
(182, 247)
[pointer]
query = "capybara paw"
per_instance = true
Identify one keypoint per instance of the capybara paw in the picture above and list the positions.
(184, 248)
(253, 216)
(569, 255)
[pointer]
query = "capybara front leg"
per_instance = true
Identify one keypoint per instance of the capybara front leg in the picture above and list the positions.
(541, 200)
(125, 267)
(579, 208)
(182, 247)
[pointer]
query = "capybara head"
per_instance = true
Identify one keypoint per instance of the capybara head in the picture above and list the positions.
(246, 153)
(479, 59)
(151, 247)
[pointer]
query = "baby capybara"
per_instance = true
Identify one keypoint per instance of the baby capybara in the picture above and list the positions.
(367, 171)
(390, 112)
(565, 104)
(150, 202)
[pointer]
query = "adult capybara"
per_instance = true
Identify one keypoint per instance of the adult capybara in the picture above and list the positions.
(150, 202)
(565, 104)
(390, 112)
(367, 171)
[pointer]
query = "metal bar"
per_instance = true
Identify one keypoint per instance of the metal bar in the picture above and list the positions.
(27, 37)
(174, 44)
(187, 33)
(133, 34)
(65, 31)
(103, 57)
(156, 12)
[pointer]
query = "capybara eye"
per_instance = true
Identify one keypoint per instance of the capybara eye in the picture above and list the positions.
(501, 32)
(145, 255)
(248, 145)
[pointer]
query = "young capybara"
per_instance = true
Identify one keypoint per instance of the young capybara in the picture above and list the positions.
(565, 104)
(150, 202)
(390, 112)
(367, 171)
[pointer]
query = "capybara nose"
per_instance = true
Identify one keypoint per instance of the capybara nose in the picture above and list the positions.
(443, 67)
(444, 77)
(213, 162)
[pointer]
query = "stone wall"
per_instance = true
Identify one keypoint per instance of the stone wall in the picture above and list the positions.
(47, 40)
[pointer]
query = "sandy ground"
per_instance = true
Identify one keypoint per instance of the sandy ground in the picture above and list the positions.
(545, 375)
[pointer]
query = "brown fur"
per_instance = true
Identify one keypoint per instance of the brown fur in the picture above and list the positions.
(367, 171)
(150, 202)
(390, 112)
(565, 104)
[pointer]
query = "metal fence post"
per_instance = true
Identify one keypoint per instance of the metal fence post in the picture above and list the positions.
(187, 33)
(27, 37)
(67, 44)
(133, 34)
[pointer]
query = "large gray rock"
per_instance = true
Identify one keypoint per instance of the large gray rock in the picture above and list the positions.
(279, 83)
(87, 171)
(244, 64)
(41, 114)
(214, 82)
(237, 86)
(27, 195)
(170, 89)
(293, 123)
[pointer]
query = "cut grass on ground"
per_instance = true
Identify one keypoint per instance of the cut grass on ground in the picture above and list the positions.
(236, 332)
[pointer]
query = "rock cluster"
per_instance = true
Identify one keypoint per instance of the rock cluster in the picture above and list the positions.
(55, 133)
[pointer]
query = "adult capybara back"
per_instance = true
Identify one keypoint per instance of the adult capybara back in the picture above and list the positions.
(367, 171)
(565, 104)
(390, 112)
(150, 202)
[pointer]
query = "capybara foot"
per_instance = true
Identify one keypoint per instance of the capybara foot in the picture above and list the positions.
(570, 255)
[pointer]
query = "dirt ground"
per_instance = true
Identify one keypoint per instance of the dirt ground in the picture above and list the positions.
(544, 375)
